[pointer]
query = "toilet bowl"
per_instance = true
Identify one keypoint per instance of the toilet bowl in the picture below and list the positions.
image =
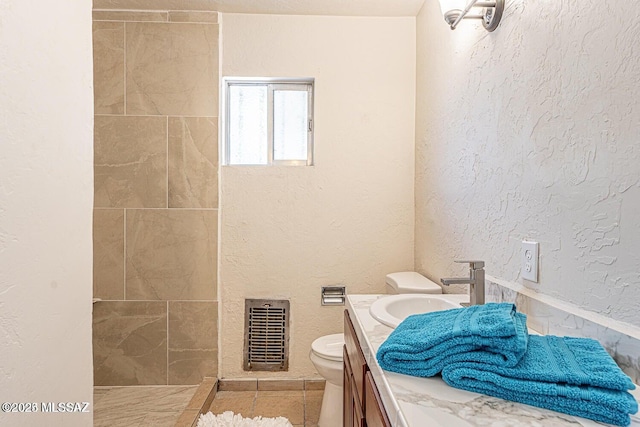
(326, 355)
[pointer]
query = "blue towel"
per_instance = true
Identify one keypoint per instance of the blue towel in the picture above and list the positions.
(571, 375)
(423, 344)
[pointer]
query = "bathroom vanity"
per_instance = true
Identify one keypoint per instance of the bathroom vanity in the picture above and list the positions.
(373, 397)
(362, 405)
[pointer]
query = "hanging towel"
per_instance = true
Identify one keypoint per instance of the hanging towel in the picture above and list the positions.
(575, 376)
(423, 344)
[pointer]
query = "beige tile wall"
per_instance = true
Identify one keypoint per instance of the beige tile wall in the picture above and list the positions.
(156, 197)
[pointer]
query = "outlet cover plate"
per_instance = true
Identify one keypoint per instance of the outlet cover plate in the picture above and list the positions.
(530, 261)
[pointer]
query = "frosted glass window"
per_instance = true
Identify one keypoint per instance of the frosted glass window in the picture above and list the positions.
(268, 122)
(290, 125)
(248, 125)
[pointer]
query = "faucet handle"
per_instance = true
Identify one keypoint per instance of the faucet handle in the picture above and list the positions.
(474, 265)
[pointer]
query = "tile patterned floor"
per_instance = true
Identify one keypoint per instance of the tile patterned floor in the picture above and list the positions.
(158, 406)
(301, 407)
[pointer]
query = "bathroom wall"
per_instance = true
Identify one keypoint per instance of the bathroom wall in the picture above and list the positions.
(45, 208)
(548, 315)
(531, 132)
(156, 197)
(288, 231)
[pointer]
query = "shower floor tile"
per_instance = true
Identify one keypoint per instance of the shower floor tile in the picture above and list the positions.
(158, 406)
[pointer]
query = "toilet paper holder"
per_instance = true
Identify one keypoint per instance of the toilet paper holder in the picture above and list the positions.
(333, 295)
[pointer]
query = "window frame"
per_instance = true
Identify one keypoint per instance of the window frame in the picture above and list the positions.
(272, 84)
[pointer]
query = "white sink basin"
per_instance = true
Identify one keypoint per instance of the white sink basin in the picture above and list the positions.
(392, 310)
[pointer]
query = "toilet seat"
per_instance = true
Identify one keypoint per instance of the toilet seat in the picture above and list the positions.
(329, 347)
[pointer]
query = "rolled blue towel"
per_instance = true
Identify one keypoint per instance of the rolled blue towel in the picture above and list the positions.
(575, 376)
(423, 344)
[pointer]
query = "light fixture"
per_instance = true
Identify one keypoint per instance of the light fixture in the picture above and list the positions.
(456, 10)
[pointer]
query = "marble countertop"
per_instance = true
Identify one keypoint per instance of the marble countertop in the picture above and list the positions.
(417, 402)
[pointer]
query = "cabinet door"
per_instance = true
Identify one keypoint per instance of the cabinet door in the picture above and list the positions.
(376, 416)
(347, 392)
(356, 357)
(358, 416)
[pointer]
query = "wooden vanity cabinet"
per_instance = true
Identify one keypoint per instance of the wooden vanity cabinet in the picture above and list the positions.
(376, 415)
(362, 404)
(347, 394)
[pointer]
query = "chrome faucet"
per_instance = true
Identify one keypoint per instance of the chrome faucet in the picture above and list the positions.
(475, 281)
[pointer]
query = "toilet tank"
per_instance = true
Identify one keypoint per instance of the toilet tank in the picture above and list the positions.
(410, 282)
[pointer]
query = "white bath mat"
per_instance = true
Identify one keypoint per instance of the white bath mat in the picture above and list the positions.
(228, 419)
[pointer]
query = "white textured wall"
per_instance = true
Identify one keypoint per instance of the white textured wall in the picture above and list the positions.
(532, 132)
(46, 195)
(287, 231)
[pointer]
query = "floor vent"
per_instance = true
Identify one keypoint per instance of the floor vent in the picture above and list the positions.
(266, 335)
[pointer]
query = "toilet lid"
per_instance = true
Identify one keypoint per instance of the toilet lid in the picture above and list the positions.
(329, 346)
(410, 282)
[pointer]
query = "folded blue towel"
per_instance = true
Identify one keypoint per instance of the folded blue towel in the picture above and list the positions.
(571, 375)
(423, 344)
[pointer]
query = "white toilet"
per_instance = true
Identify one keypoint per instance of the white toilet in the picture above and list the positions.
(326, 355)
(326, 351)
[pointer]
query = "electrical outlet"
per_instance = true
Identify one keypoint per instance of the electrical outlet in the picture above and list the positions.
(530, 261)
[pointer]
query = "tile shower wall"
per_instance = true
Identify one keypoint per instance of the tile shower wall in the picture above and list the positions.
(156, 197)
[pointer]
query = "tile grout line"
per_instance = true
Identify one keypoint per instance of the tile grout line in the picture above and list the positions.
(167, 342)
(124, 62)
(167, 135)
(157, 301)
(124, 251)
(155, 22)
(255, 400)
(304, 406)
(158, 115)
(156, 209)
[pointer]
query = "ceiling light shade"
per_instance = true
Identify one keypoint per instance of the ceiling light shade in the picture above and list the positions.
(456, 10)
(447, 5)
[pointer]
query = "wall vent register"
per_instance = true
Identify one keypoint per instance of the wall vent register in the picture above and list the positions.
(266, 338)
